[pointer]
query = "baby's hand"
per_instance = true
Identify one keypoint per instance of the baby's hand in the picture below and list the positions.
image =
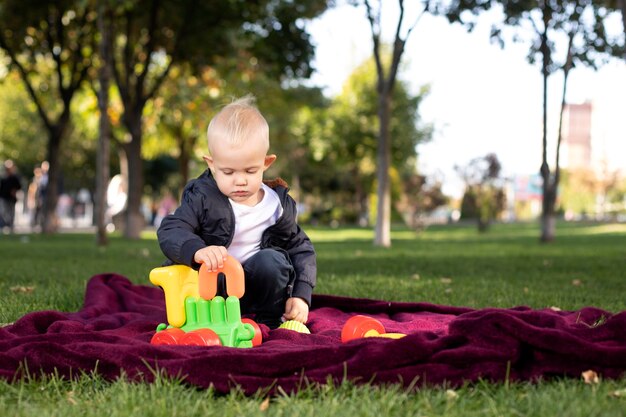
(296, 309)
(212, 256)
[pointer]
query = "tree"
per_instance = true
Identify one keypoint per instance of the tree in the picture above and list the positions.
(587, 42)
(484, 197)
(153, 36)
(386, 81)
(621, 6)
(50, 44)
(420, 196)
(104, 139)
(181, 115)
(355, 128)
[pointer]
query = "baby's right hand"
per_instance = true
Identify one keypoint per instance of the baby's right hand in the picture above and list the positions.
(212, 256)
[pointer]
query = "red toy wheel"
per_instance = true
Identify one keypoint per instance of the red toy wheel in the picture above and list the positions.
(201, 337)
(357, 326)
(169, 336)
(258, 336)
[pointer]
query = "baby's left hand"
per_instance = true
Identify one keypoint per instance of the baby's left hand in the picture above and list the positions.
(296, 309)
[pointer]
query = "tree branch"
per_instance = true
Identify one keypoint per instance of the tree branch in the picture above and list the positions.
(376, 41)
(182, 34)
(149, 50)
(127, 55)
(24, 75)
(159, 81)
(79, 76)
(56, 23)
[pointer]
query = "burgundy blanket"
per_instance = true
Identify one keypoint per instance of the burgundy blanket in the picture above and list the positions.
(110, 335)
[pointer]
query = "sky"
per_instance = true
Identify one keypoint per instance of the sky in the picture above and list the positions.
(483, 99)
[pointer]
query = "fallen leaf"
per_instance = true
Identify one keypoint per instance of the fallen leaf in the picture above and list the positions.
(446, 280)
(555, 308)
(577, 282)
(619, 393)
(70, 398)
(590, 377)
(265, 404)
(415, 276)
(451, 395)
(22, 289)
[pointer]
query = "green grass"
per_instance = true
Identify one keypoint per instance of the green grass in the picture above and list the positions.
(506, 267)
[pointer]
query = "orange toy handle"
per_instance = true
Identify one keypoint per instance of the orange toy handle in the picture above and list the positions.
(235, 282)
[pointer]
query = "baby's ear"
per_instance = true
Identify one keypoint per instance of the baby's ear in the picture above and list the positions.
(209, 161)
(269, 160)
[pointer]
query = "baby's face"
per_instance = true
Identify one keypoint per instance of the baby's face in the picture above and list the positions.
(238, 170)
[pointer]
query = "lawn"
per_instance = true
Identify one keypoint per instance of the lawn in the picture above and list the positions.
(451, 265)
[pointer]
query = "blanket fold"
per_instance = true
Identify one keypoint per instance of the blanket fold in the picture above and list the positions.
(111, 335)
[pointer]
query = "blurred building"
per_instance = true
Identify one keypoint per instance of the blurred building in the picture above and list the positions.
(577, 131)
(593, 164)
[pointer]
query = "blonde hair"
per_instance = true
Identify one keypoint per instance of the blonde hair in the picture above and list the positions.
(238, 122)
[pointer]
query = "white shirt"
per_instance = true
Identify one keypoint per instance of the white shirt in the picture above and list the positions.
(251, 222)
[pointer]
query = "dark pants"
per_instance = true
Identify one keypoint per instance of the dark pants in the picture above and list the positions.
(7, 213)
(269, 278)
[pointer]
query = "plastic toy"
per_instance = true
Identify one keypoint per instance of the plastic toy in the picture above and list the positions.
(196, 315)
(363, 326)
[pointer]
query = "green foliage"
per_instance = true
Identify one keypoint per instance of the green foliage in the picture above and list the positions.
(577, 194)
(484, 197)
(583, 193)
(21, 137)
(583, 20)
(347, 158)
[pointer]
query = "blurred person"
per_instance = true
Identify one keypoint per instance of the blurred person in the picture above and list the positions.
(40, 195)
(166, 206)
(10, 184)
(32, 201)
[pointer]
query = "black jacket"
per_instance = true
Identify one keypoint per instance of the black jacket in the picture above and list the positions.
(205, 218)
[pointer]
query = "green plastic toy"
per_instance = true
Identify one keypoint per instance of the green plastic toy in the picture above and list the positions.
(196, 320)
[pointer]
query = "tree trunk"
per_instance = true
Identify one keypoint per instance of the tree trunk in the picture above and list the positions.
(183, 162)
(50, 220)
(548, 227)
(383, 214)
(134, 219)
(551, 182)
(622, 3)
(185, 148)
(360, 198)
(483, 224)
(104, 153)
(547, 207)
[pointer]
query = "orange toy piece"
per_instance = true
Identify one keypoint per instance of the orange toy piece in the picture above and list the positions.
(359, 326)
(235, 281)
